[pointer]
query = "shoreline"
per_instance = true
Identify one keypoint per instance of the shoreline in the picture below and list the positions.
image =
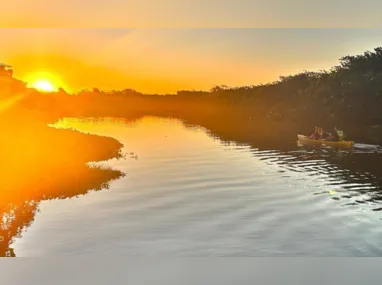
(44, 163)
(41, 162)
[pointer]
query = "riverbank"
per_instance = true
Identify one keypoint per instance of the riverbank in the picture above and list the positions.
(41, 163)
(348, 96)
(242, 120)
(240, 123)
(186, 174)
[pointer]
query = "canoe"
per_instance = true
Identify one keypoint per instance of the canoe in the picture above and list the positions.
(307, 140)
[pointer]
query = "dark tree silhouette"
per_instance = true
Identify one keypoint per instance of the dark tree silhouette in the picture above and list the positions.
(6, 70)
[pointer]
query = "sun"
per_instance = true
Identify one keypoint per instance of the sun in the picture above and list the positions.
(44, 85)
(44, 81)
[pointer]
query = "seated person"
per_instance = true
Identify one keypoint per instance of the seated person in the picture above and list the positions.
(326, 136)
(335, 136)
(316, 134)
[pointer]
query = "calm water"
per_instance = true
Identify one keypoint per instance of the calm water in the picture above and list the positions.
(186, 193)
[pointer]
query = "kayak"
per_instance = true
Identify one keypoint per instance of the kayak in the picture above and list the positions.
(307, 140)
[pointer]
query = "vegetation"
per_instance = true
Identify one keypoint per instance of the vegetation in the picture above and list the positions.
(348, 96)
(6, 70)
(51, 162)
(40, 162)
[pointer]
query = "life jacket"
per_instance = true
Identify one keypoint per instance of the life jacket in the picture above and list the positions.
(340, 134)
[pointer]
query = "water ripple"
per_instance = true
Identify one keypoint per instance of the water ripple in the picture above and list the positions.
(202, 197)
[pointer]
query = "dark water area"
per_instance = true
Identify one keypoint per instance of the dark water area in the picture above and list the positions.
(190, 192)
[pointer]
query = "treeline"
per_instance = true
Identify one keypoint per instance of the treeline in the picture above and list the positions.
(348, 96)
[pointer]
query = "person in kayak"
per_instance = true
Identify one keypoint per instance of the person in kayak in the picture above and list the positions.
(316, 134)
(335, 136)
(322, 134)
(326, 135)
(340, 134)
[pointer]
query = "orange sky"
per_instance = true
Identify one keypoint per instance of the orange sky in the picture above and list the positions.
(167, 60)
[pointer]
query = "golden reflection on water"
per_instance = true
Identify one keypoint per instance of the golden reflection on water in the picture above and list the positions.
(41, 163)
(61, 175)
(186, 183)
(146, 132)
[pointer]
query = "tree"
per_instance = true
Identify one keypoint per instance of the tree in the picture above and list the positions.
(6, 70)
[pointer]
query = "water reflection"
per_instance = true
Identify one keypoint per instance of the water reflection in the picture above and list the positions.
(193, 195)
(351, 174)
(18, 210)
(339, 171)
(354, 174)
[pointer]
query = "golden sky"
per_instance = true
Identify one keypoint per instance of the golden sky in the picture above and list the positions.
(167, 60)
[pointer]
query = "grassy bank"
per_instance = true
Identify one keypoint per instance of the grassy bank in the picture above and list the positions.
(41, 163)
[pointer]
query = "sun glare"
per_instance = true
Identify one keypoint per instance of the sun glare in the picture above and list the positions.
(44, 85)
(44, 81)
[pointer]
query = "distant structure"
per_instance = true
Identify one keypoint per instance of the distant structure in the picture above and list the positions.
(6, 70)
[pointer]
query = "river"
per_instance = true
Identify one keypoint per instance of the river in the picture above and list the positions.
(188, 193)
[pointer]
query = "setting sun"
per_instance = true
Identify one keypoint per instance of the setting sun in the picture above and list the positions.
(44, 85)
(44, 81)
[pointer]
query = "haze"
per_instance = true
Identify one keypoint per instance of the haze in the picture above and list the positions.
(167, 60)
